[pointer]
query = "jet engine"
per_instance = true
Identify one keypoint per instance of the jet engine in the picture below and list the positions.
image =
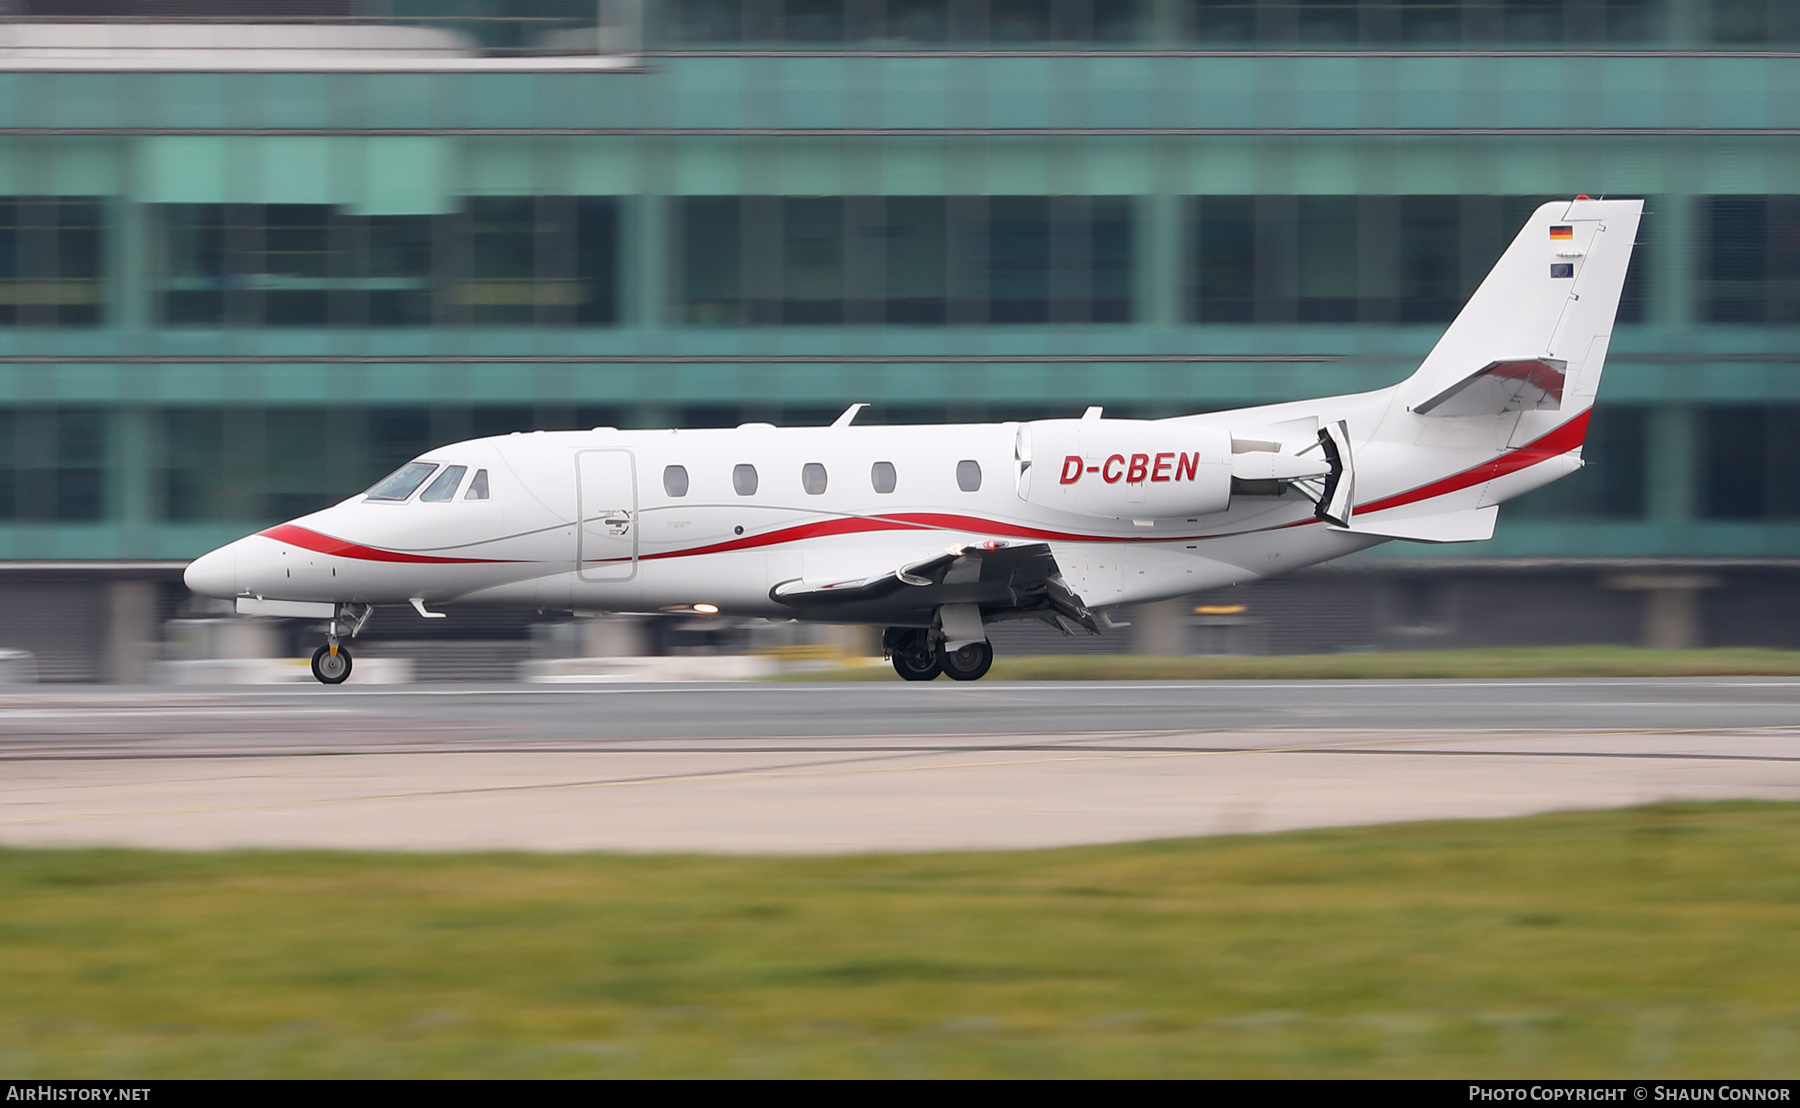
(1149, 469)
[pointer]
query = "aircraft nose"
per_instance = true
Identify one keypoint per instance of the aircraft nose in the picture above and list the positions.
(214, 574)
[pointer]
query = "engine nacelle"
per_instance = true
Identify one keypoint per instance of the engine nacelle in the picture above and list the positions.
(1126, 468)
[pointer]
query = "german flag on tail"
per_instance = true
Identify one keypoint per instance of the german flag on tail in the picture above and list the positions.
(1562, 232)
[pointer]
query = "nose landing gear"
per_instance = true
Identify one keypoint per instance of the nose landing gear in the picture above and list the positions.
(331, 663)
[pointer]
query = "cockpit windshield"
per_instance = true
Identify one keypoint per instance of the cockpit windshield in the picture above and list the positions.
(444, 488)
(403, 482)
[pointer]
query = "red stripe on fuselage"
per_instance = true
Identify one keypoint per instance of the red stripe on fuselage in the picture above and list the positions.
(324, 544)
(1559, 441)
(849, 525)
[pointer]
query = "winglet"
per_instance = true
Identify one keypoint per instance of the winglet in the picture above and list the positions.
(418, 603)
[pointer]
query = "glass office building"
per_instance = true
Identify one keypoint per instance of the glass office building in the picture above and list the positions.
(247, 264)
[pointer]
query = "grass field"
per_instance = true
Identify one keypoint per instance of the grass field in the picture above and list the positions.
(1533, 661)
(1654, 942)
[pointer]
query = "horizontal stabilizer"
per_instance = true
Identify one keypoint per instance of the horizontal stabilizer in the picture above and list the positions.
(1512, 385)
(1472, 525)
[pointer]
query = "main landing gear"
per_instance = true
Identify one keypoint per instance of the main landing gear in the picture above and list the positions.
(918, 654)
(331, 662)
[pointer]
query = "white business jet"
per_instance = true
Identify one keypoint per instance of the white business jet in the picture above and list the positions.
(934, 532)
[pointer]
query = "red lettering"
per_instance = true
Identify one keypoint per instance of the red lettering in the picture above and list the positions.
(1160, 471)
(1107, 474)
(1071, 469)
(1140, 468)
(1187, 467)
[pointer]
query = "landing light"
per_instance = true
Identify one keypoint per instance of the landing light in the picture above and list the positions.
(1218, 609)
(707, 609)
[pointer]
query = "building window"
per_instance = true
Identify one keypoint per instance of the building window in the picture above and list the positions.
(1749, 456)
(52, 465)
(547, 260)
(292, 265)
(538, 260)
(1371, 259)
(51, 261)
(1425, 24)
(891, 24)
(743, 479)
(924, 260)
(255, 465)
(812, 479)
(1753, 22)
(1214, 24)
(1752, 259)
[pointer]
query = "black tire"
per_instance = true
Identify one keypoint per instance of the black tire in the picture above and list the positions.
(970, 663)
(329, 668)
(916, 658)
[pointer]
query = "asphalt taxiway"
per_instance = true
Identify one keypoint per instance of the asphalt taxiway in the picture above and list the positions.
(852, 767)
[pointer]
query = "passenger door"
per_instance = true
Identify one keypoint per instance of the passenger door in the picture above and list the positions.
(606, 490)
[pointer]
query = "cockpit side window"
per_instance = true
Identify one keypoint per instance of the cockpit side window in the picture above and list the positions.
(445, 486)
(403, 482)
(478, 488)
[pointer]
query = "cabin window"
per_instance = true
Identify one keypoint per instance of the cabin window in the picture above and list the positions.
(881, 475)
(675, 481)
(743, 479)
(968, 475)
(478, 487)
(812, 478)
(444, 488)
(403, 482)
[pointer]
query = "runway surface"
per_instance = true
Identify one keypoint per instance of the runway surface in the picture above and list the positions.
(853, 767)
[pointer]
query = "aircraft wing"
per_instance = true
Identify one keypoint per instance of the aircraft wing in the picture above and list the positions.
(998, 577)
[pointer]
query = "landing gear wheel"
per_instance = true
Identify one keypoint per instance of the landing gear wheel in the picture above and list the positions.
(916, 657)
(329, 668)
(970, 663)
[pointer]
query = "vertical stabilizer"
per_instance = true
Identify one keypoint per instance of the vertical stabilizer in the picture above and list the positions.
(1549, 302)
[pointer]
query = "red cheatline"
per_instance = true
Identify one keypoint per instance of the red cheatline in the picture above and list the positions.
(325, 544)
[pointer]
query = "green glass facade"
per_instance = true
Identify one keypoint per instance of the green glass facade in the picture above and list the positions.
(227, 298)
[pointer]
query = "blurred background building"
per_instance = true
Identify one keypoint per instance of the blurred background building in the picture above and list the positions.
(254, 254)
